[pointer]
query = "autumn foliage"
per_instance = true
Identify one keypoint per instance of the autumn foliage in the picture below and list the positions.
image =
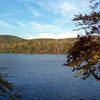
(84, 56)
(35, 46)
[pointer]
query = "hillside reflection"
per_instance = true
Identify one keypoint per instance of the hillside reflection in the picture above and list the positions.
(7, 90)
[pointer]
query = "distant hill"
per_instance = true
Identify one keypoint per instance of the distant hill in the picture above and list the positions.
(14, 44)
(10, 39)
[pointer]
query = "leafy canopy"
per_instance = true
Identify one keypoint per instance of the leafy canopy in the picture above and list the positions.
(84, 56)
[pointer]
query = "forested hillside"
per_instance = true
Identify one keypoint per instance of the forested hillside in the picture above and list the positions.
(10, 39)
(13, 44)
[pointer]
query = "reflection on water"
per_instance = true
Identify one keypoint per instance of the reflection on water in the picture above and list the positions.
(7, 90)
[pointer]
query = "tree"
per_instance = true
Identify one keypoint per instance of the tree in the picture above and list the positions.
(84, 56)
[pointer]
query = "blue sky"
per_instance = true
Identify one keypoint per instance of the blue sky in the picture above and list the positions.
(40, 18)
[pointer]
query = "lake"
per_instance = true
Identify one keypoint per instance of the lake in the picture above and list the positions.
(43, 77)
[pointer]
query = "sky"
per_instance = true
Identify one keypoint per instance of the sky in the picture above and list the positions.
(40, 18)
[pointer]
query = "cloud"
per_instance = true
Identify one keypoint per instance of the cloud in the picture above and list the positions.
(51, 35)
(5, 24)
(64, 7)
(56, 36)
(33, 29)
(58, 7)
(37, 30)
(61, 7)
(44, 27)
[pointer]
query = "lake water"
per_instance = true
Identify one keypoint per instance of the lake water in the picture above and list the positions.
(42, 77)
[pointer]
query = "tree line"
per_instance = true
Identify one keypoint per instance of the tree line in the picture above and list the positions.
(38, 46)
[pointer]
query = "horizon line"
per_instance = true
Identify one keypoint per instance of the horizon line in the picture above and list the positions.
(36, 37)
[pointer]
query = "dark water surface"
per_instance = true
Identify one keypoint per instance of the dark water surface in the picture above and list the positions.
(42, 77)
